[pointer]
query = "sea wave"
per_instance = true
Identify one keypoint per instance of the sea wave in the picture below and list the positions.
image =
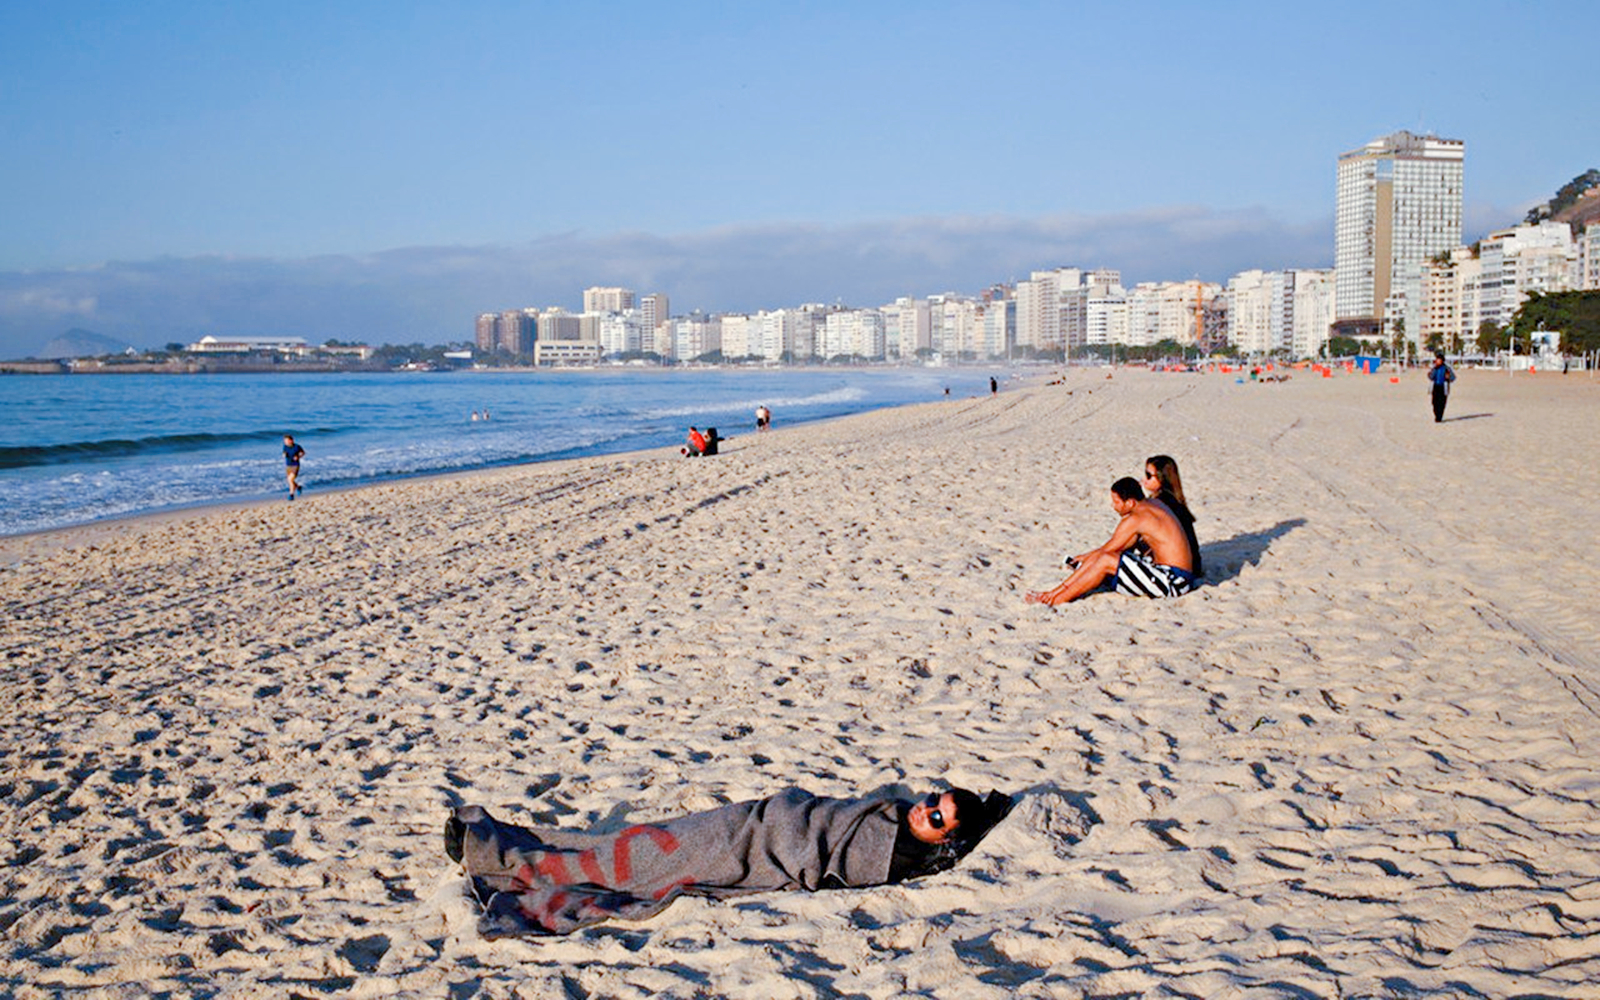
(834, 397)
(24, 456)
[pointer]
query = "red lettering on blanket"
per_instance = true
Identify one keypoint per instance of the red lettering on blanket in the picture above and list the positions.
(554, 867)
(523, 877)
(674, 887)
(546, 914)
(591, 867)
(622, 861)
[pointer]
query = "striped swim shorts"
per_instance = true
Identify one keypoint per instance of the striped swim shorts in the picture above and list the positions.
(1140, 576)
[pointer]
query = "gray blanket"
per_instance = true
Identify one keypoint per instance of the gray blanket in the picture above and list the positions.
(553, 881)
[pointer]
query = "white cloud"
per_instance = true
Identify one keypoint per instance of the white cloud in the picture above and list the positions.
(29, 302)
(433, 294)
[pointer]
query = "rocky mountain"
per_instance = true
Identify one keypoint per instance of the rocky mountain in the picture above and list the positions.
(79, 343)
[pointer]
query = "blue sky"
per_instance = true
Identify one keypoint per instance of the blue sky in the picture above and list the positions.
(387, 170)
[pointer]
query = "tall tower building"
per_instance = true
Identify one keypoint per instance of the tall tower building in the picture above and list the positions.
(598, 299)
(1399, 203)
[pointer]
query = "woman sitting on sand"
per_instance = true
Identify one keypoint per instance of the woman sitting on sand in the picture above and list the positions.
(1161, 482)
(548, 880)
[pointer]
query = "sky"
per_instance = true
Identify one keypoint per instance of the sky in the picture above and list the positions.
(386, 171)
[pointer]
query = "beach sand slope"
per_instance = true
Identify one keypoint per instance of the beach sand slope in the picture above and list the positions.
(1360, 761)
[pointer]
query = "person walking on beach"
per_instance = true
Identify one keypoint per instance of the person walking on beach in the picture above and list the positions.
(1439, 378)
(763, 417)
(994, 387)
(1167, 570)
(292, 454)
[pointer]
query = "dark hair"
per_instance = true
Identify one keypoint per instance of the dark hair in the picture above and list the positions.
(1167, 475)
(1128, 488)
(976, 816)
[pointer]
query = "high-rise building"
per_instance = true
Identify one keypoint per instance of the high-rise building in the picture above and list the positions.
(653, 311)
(485, 333)
(602, 300)
(1399, 203)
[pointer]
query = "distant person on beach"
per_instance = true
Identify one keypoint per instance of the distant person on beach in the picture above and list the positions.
(713, 441)
(1439, 378)
(1165, 570)
(548, 880)
(1161, 482)
(292, 453)
(994, 387)
(696, 445)
(763, 417)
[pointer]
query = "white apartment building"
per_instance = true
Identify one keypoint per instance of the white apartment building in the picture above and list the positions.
(1167, 310)
(995, 327)
(1040, 309)
(1589, 258)
(557, 324)
(654, 310)
(853, 333)
(956, 330)
(1105, 310)
(1252, 301)
(1399, 203)
(1313, 312)
(808, 326)
(735, 335)
(1523, 259)
(906, 327)
(603, 300)
(623, 332)
(1440, 315)
(693, 336)
(772, 334)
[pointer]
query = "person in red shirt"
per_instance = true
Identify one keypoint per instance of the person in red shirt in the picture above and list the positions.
(697, 444)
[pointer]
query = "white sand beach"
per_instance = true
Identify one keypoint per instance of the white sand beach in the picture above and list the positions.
(1359, 762)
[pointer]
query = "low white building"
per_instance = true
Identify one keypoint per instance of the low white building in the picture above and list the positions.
(566, 352)
(243, 345)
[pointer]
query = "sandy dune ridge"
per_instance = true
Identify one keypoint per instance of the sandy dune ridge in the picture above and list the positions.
(1359, 762)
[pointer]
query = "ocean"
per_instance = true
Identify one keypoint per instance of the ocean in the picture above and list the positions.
(82, 448)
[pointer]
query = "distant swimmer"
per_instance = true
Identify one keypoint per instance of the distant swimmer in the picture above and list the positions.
(475, 417)
(292, 453)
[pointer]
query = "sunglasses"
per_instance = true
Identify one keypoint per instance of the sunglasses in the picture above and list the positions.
(935, 814)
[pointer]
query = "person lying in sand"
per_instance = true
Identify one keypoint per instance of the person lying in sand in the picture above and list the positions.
(1164, 569)
(548, 880)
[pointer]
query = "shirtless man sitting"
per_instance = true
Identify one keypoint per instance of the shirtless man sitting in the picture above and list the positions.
(1166, 571)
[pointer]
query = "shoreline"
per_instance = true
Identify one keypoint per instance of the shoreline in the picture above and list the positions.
(37, 540)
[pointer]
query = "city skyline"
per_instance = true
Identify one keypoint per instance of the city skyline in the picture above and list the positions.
(403, 169)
